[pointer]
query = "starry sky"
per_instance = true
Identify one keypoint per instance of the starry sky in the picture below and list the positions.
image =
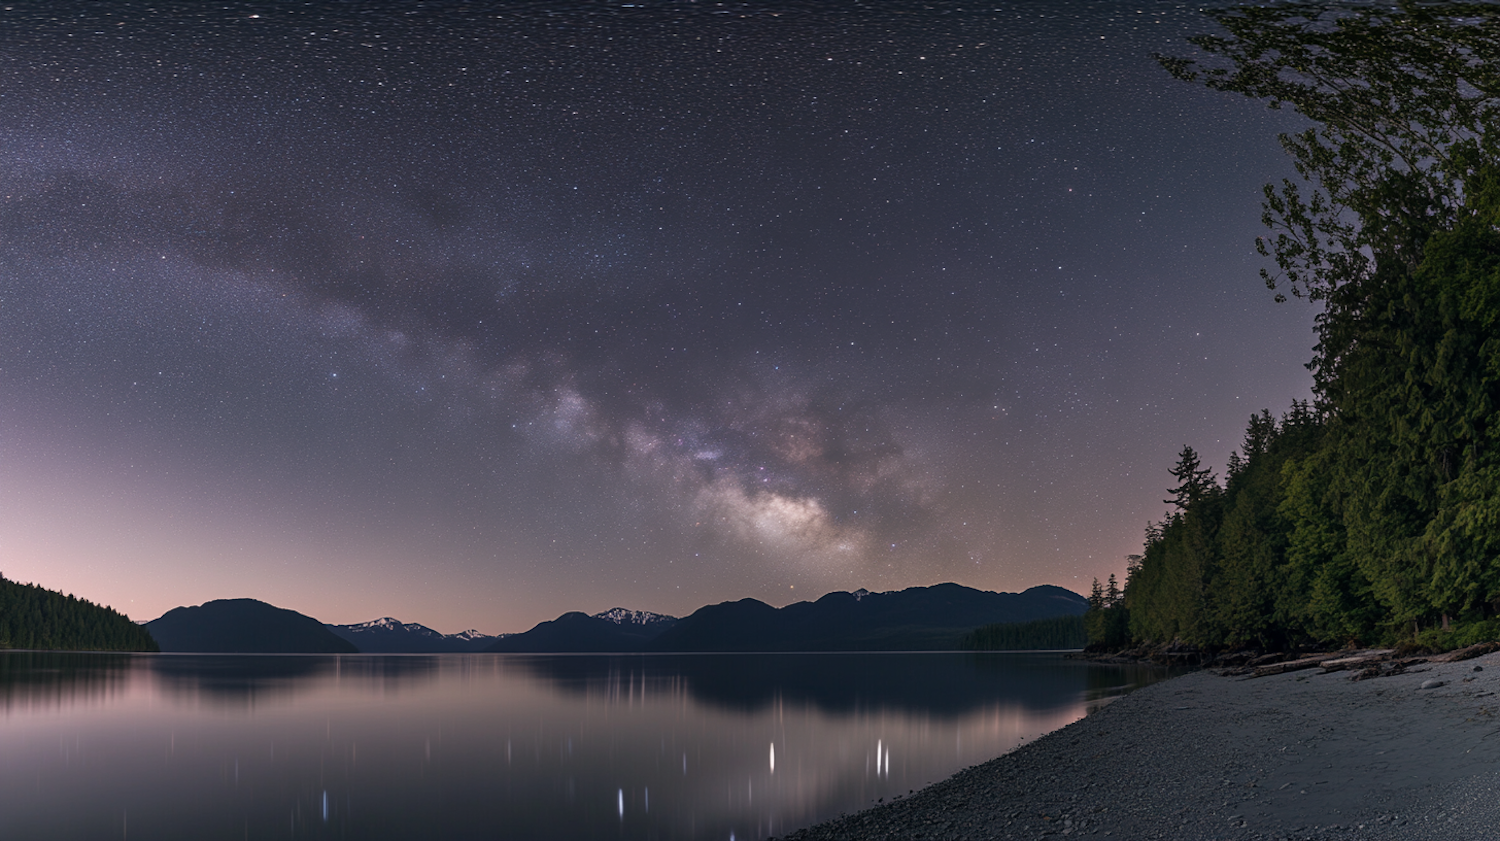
(472, 314)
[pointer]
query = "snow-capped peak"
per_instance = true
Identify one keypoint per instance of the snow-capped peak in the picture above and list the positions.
(860, 593)
(383, 623)
(389, 625)
(622, 616)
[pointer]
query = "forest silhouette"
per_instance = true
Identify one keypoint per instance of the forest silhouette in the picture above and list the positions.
(1370, 514)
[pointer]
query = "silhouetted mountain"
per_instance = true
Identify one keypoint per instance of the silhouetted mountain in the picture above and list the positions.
(390, 636)
(915, 619)
(613, 630)
(244, 626)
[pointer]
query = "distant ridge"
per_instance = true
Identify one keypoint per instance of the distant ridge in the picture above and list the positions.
(237, 626)
(392, 636)
(915, 619)
(614, 630)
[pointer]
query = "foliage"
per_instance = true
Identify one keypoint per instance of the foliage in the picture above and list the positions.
(1107, 621)
(1370, 520)
(1459, 635)
(1376, 513)
(35, 618)
(1055, 633)
(1404, 99)
(1215, 572)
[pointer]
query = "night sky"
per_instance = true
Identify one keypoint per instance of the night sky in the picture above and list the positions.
(472, 314)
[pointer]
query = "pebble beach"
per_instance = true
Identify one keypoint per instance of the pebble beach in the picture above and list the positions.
(1304, 754)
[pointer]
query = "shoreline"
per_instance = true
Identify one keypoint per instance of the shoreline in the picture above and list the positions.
(1302, 754)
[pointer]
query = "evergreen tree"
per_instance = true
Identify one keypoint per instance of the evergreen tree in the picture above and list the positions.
(1093, 617)
(1116, 624)
(1144, 591)
(1325, 594)
(1196, 483)
(35, 618)
(1058, 632)
(1171, 589)
(1445, 421)
(1376, 511)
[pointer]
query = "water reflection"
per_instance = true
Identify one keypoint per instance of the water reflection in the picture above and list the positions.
(459, 746)
(53, 679)
(235, 680)
(938, 684)
(249, 680)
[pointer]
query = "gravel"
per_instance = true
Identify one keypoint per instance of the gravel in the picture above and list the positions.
(1295, 756)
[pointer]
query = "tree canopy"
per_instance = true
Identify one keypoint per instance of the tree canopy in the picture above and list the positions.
(32, 617)
(1373, 512)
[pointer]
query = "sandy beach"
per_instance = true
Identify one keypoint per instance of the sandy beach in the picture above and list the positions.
(1305, 754)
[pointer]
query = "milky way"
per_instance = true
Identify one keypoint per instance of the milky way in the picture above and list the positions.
(471, 315)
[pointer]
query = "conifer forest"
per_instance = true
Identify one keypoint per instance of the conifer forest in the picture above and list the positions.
(33, 617)
(1370, 514)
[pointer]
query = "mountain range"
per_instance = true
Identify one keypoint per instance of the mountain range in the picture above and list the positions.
(391, 636)
(614, 630)
(915, 619)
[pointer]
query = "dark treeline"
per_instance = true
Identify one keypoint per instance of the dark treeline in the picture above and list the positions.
(1038, 635)
(35, 618)
(1371, 514)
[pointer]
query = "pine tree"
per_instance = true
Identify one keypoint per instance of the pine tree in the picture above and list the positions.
(1196, 483)
(35, 618)
(1093, 617)
(1391, 518)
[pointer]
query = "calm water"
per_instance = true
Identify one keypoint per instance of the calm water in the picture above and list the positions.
(504, 746)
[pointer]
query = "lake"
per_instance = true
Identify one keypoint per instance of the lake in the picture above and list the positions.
(724, 746)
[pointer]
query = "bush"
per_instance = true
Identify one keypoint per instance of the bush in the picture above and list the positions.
(1459, 635)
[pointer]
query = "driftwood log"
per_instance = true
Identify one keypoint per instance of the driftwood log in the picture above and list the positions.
(1375, 662)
